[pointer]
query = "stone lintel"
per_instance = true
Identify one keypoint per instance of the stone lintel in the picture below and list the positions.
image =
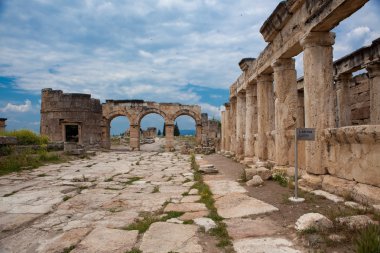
(284, 64)
(265, 78)
(314, 39)
(357, 59)
(276, 21)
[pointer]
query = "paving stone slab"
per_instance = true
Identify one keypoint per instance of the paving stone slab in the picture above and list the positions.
(224, 187)
(107, 240)
(264, 245)
(329, 196)
(185, 207)
(239, 205)
(193, 215)
(163, 237)
(239, 228)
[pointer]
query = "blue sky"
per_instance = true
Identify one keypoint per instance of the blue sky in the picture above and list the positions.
(157, 50)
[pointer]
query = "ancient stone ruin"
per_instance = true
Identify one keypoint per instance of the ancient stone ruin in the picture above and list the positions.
(267, 102)
(80, 119)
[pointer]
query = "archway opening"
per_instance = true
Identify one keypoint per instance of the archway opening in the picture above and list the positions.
(152, 127)
(185, 132)
(119, 133)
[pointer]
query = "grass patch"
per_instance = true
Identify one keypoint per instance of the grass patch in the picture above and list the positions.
(156, 189)
(171, 215)
(66, 197)
(132, 179)
(220, 231)
(243, 176)
(368, 240)
(281, 178)
(68, 249)
(26, 137)
(143, 224)
(134, 250)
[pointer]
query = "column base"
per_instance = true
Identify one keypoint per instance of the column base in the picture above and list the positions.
(248, 160)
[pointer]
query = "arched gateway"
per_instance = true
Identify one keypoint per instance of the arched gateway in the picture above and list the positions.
(80, 118)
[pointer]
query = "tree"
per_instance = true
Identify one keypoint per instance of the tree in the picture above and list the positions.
(176, 130)
(159, 132)
(164, 131)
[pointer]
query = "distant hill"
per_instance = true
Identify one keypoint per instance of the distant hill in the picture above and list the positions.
(187, 132)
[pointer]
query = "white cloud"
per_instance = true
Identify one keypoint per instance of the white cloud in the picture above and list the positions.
(212, 111)
(26, 107)
(359, 31)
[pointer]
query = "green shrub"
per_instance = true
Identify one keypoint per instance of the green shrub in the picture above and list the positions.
(26, 137)
(368, 240)
(281, 178)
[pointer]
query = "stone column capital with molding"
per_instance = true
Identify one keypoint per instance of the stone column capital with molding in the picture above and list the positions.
(319, 94)
(374, 89)
(285, 84)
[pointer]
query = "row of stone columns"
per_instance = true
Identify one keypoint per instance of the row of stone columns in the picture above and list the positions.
(251, 112)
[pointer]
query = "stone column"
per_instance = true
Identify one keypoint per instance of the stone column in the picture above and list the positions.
(106, 139)
(198, 134)
(227, 128)
(319, 91)
(169, 137)
(343, 99)
(285, 79)
(240, 124)
(250, 122)
(264, 87)
(233, 125)
(374, 89)
(222, 131)
(134, 137)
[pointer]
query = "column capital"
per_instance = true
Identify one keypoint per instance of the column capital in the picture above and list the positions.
(373, 69)
(283, 64)
(265, 78)
(241, 94)
(342, 79)
(313, 39)
(251, 89)
(227, 106)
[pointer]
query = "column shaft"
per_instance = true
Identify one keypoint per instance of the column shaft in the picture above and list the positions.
(264, 88)
(374, 89)
(169, 137)
(318, 86)
(343, 99)
(250, 121)
(198, 134)
(134, 137)
(227, 128)
(240, 125)
(285, 79)
(233, 125)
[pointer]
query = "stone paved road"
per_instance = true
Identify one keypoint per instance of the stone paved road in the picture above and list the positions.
(86, 203)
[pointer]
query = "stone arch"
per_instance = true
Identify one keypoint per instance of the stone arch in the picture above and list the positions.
(106, 125)
(150, 110)
(187, 112)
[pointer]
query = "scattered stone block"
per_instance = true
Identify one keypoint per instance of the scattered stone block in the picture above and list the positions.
(163, 237)
(355, 205)
(366, 194)
(208, 169)
(313, 220)
(193, 192)
(107, 240)
(239, 205)
(255, 181)
(337, 186)
(175, 220)
(355, 222)
(264, 173)
(311, 181)
(337, 238)
(329, 196)
(206, 223)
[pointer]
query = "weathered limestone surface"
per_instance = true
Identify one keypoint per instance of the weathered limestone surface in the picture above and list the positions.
(224, 187)
(240, 125)
(250, 122)
(165, 237)
(86, 203)
(264, 245)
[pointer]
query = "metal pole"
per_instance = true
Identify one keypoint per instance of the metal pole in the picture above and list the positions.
(296, 167)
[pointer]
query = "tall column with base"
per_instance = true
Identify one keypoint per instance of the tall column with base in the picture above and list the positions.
(240, 125)
(343, 99)
(227, 128)
(264, 87)
(374, 89)
(233, 125)
(250, 121)
(285, 79)
(319, 92)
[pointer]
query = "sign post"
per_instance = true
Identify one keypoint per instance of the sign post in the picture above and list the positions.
(302, 134)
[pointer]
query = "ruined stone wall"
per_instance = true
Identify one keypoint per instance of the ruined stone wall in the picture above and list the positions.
(2, 124)
(151, 132)
(59, 109)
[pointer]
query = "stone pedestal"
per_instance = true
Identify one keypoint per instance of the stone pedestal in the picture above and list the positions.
(233, 125)
(250, 123)
(285, 79)
(134, 137)
(343, 99)
(264, 88)
(319, 92)
(169, 137)
(374, 89)
(240, 125)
